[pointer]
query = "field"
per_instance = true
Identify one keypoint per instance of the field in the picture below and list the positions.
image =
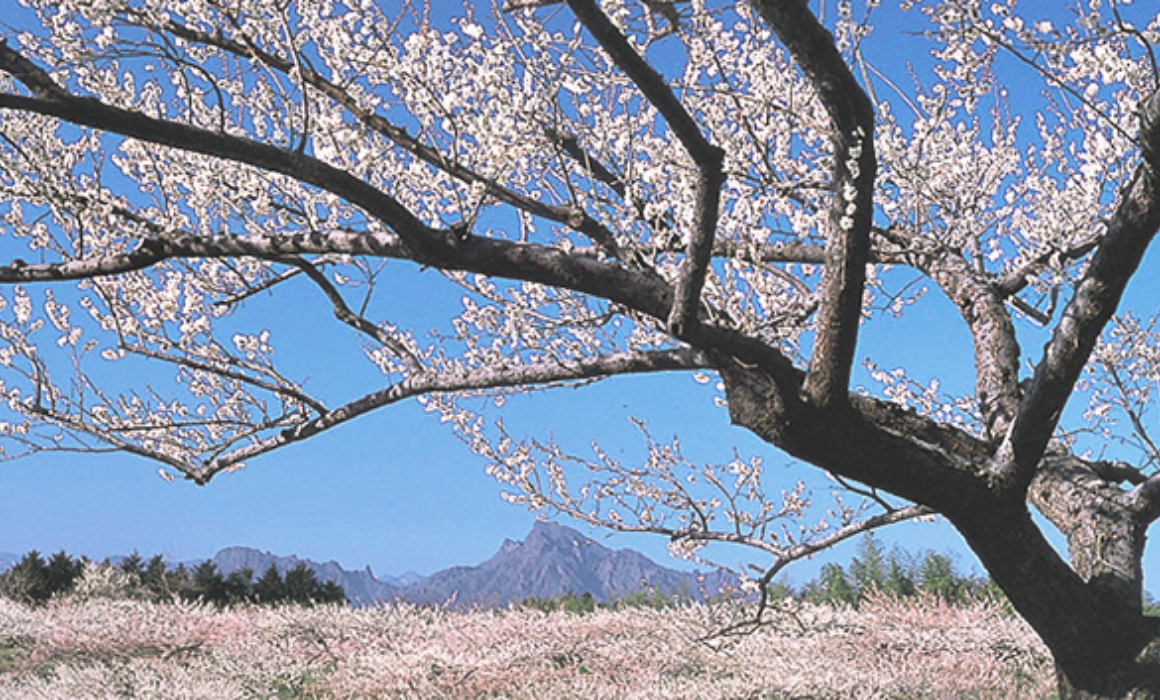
(911, 648)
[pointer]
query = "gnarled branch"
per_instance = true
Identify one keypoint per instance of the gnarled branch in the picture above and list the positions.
(851, 210)
(1131, 228)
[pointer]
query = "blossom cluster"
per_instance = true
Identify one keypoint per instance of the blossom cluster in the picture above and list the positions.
(106, 648)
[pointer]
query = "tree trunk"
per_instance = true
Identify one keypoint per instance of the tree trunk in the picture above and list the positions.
(1137, 679)
(1088, 611)
(1106, 547)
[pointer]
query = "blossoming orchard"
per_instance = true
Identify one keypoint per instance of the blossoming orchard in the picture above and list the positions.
(732, 190)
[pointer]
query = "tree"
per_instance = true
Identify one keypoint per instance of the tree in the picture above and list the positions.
(330, 593)
(62, 572)
(208, 584)
(833, 587)
(269, 588)
(157, 579)
(936, 575)
(238, 586)
(300, 585)
(618, 188)
(134, 566)
(28, 579)
(869, 569)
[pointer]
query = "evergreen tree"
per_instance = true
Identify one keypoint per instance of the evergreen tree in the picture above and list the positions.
(868, 570)
(899, 580)
(181, 582)
(270, 588)
(27, 581)
(238, 586)
(155, 579)
(331, 593)
(301, 585)
(62, 572)
(134, 566)
(834, 587)
(937, 576)
(208, 584)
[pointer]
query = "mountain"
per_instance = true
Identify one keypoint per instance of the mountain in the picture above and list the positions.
(362, 587)
(552, 561)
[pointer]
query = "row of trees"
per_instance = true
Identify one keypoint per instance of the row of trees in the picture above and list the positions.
(899, 573)
(872, 570)
(36, 580)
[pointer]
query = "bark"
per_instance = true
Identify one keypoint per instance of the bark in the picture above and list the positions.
(851, 208)
(1088, 612)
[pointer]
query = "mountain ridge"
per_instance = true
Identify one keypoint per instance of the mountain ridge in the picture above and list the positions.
(552, 560)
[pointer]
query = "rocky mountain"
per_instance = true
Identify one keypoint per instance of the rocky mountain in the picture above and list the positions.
(552, 561)
(362, 587)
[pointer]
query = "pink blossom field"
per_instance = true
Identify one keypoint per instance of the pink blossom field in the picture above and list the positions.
(109, 648)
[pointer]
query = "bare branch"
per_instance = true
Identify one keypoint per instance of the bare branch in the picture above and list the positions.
(851, 209)
(343, 313)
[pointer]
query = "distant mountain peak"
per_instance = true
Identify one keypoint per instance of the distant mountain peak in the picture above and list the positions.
(551, 561)
(556, 534)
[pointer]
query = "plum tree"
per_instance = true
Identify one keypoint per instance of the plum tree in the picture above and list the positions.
(615, 188)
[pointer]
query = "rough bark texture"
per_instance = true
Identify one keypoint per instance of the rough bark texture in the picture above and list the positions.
(1088, 612)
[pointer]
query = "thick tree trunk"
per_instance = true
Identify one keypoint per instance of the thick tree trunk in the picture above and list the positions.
(1088, 611)
(1106, 547)
(1135, 679)
(1102, 645)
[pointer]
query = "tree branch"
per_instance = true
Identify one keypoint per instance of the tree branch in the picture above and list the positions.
(281, 388)
(708, 157)
(808, 549)
(1131, 228)
(851, 209)
(570, 216)
(995, 344)
(1144, 500)
(90, 112)
(463, 380)
(344, 313)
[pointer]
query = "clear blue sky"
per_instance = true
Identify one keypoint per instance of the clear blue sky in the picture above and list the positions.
(396, 491)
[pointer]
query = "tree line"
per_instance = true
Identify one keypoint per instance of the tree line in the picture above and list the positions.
(36, 580)
(872, 570)
(895, 572)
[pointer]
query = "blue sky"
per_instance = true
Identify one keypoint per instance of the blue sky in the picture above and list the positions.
(395, 490)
